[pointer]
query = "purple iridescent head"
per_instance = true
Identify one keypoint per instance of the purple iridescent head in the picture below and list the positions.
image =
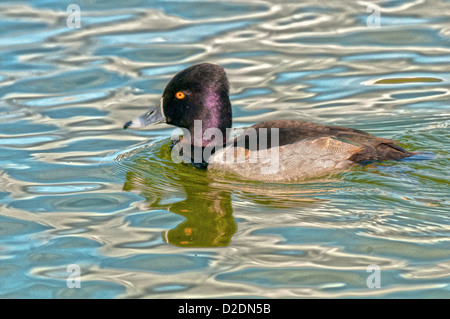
(200, 92)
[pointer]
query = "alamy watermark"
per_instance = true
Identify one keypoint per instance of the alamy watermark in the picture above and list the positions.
(374, 280)
(252, 146)
(373, 21)
(74, 279)
(74, 18)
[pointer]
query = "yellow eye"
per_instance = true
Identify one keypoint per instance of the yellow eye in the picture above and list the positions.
(180, 95)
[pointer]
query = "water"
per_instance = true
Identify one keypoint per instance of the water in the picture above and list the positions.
(78, 189)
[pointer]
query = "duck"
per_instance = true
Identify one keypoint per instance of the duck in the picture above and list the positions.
(196, 100)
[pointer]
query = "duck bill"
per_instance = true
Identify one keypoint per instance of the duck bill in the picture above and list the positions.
(153, 116)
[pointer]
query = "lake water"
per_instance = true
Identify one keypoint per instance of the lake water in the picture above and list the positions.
(76, 189)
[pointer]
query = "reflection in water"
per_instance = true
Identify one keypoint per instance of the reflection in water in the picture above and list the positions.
(209, 220)
(208, 212)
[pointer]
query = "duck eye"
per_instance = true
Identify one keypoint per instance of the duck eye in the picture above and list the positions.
(180, 95)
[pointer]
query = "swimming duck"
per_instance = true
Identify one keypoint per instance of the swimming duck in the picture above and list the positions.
(197, 100)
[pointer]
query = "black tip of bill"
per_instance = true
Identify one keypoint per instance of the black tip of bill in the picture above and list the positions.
(126, 125)
(155, 115)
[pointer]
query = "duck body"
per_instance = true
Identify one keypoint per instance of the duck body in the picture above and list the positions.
(271, 151)
(306, 150)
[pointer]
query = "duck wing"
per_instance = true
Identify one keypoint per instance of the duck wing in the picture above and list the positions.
(369, 147)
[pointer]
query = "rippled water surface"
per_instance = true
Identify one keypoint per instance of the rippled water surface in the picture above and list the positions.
(78, 189)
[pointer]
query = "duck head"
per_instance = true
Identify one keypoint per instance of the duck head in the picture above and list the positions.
(200, 92)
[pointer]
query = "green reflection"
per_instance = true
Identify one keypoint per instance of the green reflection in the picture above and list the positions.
(209, 220)
(183, 190)
(407, 80)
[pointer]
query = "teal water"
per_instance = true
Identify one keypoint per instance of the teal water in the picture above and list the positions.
(78, 189)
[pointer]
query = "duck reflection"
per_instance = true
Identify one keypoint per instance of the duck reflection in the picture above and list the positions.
(207, 210)
(209, 221)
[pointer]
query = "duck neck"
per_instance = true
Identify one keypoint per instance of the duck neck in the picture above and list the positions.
(204, 135)
(203, 142)
(216, 119)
